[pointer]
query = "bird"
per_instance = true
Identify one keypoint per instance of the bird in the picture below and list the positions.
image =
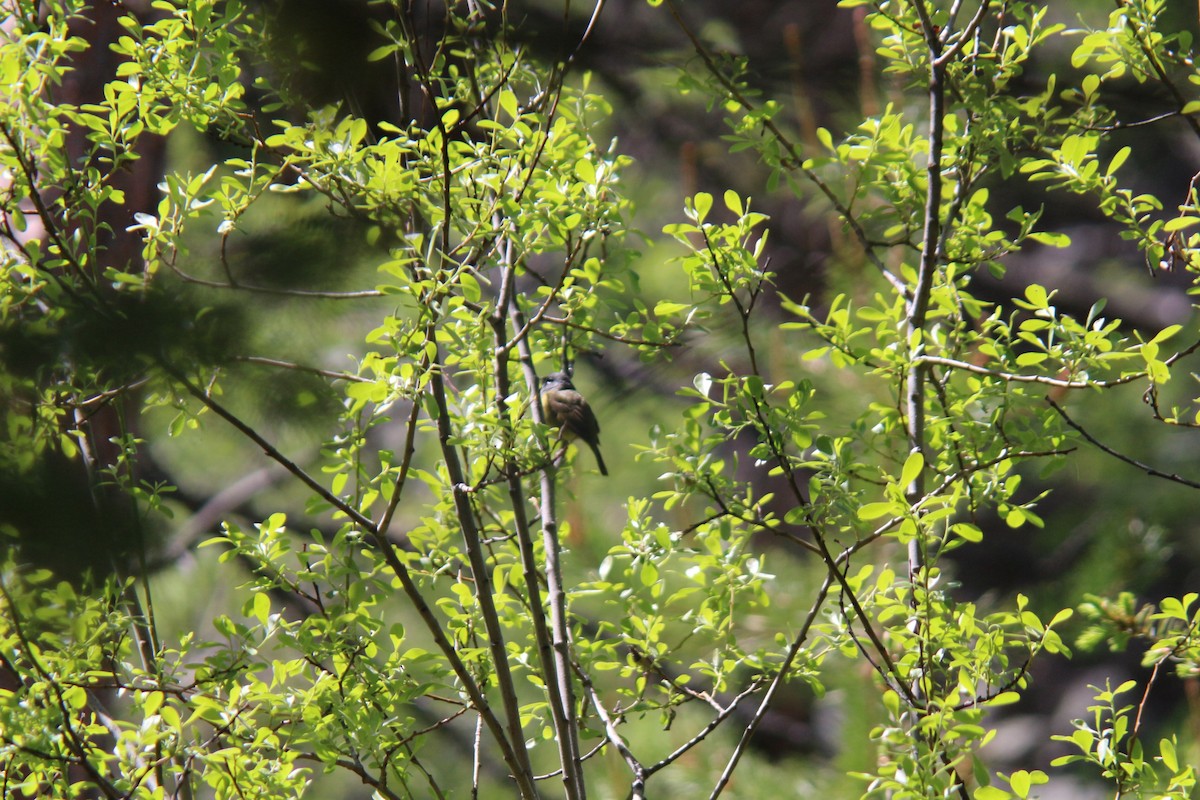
(565, 407)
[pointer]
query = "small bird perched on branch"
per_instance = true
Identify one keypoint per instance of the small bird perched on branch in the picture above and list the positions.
(564, 406)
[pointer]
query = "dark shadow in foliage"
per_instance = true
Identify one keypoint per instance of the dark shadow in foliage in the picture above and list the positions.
(63, 513)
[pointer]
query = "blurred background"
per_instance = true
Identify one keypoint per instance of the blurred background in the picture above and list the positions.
(1109, 527)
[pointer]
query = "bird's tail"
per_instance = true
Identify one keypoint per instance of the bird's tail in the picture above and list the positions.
(599, 458)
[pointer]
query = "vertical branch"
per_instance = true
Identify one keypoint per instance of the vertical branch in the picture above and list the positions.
(514, 743)
(559, 624)
(560, 633)
(473, 542)
(942, 48)
(557, 677)
(918, 302)
(916, 311)
(476, 756)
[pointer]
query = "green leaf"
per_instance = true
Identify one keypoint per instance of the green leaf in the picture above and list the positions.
(733, 202)
(1117, 160)
(891, 701)
(75, 697)
(585, 170)
(825, 138)
(508, 104)
(1004, 699)
(912, 468)
(262, 607)
(1062, 616)
(666, 308)
(1180, 223)
(1166, 754)
(1019, 781)
(1031, 359)
(152, 703)
(872, 511)
(381, 52)
(1167, 332)
(1090, 83)
(1051, 239)
(967, 532)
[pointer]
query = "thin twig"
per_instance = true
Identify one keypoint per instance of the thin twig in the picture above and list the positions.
(1016, 377)
(780, 676)
(723, 713)
(410, 449)
(304, 293)
(324, 373)
(795, 159)
(637, 788)
(1149, 470)
(271, 451)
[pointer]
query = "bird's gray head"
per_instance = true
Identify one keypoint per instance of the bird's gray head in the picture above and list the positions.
(557, 379)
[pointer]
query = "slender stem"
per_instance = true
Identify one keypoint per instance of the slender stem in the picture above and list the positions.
(1156, 64)
(918, 303)
(473, 542)
(794, 158)
(476, 760)
(556, 677)
(1016, 377)
(560, 632)
(637, 789)
(311, 294)
(324, 373)
(410, 449)
(723, 713)
(1133, 462)
(780, 677)
(271, 451)
(559, 623)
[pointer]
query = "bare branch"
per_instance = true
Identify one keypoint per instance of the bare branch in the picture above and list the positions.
(1149, 470)
(798, 642)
